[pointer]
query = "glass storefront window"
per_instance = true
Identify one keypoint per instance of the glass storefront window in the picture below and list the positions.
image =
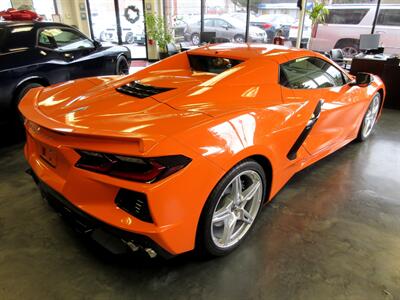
(343, 27)
(277, 19)
(183, 18)
(388, 26)
(132, 27)
(225, 21)
(5, 4)
(104, 24)
(44, 8)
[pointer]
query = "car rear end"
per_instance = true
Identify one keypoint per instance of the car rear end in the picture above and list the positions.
(122, 190)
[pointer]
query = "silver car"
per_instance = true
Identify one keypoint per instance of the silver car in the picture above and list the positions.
(346, 22)
(226, 29)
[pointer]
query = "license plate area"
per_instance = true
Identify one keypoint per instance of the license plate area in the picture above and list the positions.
(48, 154)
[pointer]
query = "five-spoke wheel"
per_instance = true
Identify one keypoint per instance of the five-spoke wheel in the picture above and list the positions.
(370, 118)
(232, 208)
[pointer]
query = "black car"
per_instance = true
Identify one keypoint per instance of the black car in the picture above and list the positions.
(36, 54)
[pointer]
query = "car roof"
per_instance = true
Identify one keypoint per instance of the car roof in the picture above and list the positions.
(247, 51)
(37, 24)
(363, 5)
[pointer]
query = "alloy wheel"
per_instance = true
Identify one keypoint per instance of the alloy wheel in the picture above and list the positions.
(370, 116)
(349, 51)
(195, 39)
(236, 209)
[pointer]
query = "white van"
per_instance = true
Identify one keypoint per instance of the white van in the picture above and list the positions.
(346, 22)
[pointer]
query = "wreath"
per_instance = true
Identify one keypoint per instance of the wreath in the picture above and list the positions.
(127, 14)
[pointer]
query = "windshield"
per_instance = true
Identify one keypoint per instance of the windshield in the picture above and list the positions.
(211, 64)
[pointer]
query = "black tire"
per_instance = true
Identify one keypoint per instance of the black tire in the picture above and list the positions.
(350, 47)
(205, 246)
(362, 136)
(195, 39)
(122, 66)
(239, 38)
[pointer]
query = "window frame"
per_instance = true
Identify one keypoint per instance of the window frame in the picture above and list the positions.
(345, 77)
(66, 28)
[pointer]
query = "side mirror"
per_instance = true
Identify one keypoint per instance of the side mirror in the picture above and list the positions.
(363, 79)
(226, 26)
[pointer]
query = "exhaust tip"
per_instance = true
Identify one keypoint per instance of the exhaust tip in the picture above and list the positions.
(151, 252)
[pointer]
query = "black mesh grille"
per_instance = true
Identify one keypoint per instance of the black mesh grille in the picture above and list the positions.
(134, 203)
(140, 90)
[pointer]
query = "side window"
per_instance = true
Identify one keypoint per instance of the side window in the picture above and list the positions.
(208, 23)
(346, 16)
(63, 39)
(389, 17)
(221, 23)
(310, 73)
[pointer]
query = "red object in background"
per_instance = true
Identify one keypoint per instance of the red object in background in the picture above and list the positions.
(279, 40)
(12, 14)
(266, 25)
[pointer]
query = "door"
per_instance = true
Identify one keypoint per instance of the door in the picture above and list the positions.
(388, 26)
(321, 84)
(76, 50)
(224, 29)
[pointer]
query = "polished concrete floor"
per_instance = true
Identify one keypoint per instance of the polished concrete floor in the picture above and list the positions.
(332, 233)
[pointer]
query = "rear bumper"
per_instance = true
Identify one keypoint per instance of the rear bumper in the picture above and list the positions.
(110, 237)
(175, 203)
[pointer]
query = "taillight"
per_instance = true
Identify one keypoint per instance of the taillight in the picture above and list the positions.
(131, 168)
(266, 25)
(294, 27)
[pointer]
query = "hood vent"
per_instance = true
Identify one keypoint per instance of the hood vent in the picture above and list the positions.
(139, 90)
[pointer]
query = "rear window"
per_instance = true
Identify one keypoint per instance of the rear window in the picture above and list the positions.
(346, 16)
(389, 17)
(211, 64)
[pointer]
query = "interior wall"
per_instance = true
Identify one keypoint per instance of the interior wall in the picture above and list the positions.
(74, 13)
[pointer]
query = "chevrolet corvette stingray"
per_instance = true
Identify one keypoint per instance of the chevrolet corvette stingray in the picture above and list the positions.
(183, 154)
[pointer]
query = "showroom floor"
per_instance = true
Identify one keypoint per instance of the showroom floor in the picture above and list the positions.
(331, 233)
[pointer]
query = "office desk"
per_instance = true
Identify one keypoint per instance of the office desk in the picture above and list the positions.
(386, 68)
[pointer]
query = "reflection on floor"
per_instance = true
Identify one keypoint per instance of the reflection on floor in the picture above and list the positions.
(331, 233)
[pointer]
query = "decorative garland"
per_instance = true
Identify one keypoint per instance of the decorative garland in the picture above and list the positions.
(135, 10)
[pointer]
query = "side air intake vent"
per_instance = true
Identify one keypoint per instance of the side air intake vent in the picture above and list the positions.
(140, 90)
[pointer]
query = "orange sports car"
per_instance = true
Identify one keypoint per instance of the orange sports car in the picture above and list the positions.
(182, 154)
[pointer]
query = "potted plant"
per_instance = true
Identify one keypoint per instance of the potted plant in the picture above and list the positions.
(158, 33)
(317, 15)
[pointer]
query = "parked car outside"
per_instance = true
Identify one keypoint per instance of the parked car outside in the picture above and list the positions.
(279, 21)
(131, 33)
(225, 27)
(346, 22)
(34, 54)
(294, 29)
(255, 21)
